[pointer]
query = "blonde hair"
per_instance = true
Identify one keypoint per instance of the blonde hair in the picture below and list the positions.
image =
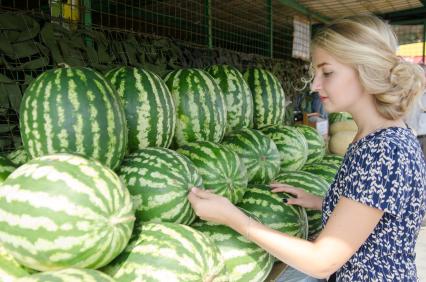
(369, 45)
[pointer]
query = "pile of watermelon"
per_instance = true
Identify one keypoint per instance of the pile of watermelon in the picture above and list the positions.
(98, 192)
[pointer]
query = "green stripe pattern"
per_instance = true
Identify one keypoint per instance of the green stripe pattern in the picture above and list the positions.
(239, 101)
(168, 252)
(18, 156)
(10, 269)
(68, 275)
(244, 260)
(312, 184)
(339, 116)
(269, 208)
(258, 152)
(222, 169)
(200, 106)
(149, 107)
(159, 180)
(73, 110)
(6, 168)
(62, 211)
(268, 97)
(333, 160)
(326, 172)
(316, 144)
(291, 143)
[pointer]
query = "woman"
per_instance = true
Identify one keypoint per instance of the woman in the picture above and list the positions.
(373, 211)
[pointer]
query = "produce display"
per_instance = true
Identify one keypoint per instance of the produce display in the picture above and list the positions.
(316, 144)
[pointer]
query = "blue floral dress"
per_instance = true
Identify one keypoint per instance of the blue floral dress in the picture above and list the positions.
(385, 170)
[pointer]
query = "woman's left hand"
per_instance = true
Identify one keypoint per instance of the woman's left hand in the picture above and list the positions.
(211, 207)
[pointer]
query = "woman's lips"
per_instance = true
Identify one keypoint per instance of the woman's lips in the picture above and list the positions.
(322, 98)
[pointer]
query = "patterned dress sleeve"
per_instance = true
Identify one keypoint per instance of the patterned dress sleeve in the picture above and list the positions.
(378, 177)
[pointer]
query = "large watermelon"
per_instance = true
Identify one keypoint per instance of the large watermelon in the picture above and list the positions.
(291, 144)
(149, 107)
(200, 106)
(325, 171)
(239, 101)
(168, 252)
(258, 152)
(6, 168)
(159, 180)
(222, 169)
(316, 144)
(333, 160)
(10, 269)
(312, 184)
(244, 260)
(73, 110)
(18, 157)
(62, 211)
(68, 275)
(269, 208)
(268, 97)
(338, 116)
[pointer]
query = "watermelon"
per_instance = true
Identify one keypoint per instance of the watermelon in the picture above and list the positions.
(62, 211)
(159, 180)
(149, 107)
(222, 169)
(333, 160)
(73, 110)
(269, 208)
(67, 275)
(326, 172)
(312, 184)
(316, 144)
(338, 116)
(18, 157)
(268, 97)
(200, 105)
(244, 260)
(6, 168)
(168, 252)
(291, 144)
(238, 98)
(10, 269)
(258, 152)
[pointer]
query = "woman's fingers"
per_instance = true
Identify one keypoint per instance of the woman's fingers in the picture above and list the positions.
(287, 189)
(200, 193)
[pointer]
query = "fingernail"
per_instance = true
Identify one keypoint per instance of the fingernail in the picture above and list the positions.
(285, 201)
(193, 189)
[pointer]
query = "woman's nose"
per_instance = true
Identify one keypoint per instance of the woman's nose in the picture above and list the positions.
(316, 84)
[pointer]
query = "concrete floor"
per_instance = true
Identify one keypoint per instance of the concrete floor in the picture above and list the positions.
(421, 254)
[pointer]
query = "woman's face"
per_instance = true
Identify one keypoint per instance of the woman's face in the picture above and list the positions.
(337, 84)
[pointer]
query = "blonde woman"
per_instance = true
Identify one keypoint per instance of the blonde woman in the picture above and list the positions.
(373, 210)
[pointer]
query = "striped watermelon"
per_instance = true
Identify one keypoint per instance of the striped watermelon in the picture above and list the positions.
(238, 98)
(268, 97)
(149, 107)
(258, 152)
(200, 106)
(291, 144)
(222, 170)
(6, 168)
(244, 260)
(68, 275)
(312, 184)
(326, 172)
(10, 269)
(339, 116)
(269, 208)
(159, 180)
(333, 160)
(316, 144)
(18, 157)
(73, 110)
(62, 211)
(168, 252)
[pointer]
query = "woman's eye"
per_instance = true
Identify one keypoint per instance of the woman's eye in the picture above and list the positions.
(326, 74)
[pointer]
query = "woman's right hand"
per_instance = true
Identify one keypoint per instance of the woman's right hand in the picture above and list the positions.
(301, 197)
